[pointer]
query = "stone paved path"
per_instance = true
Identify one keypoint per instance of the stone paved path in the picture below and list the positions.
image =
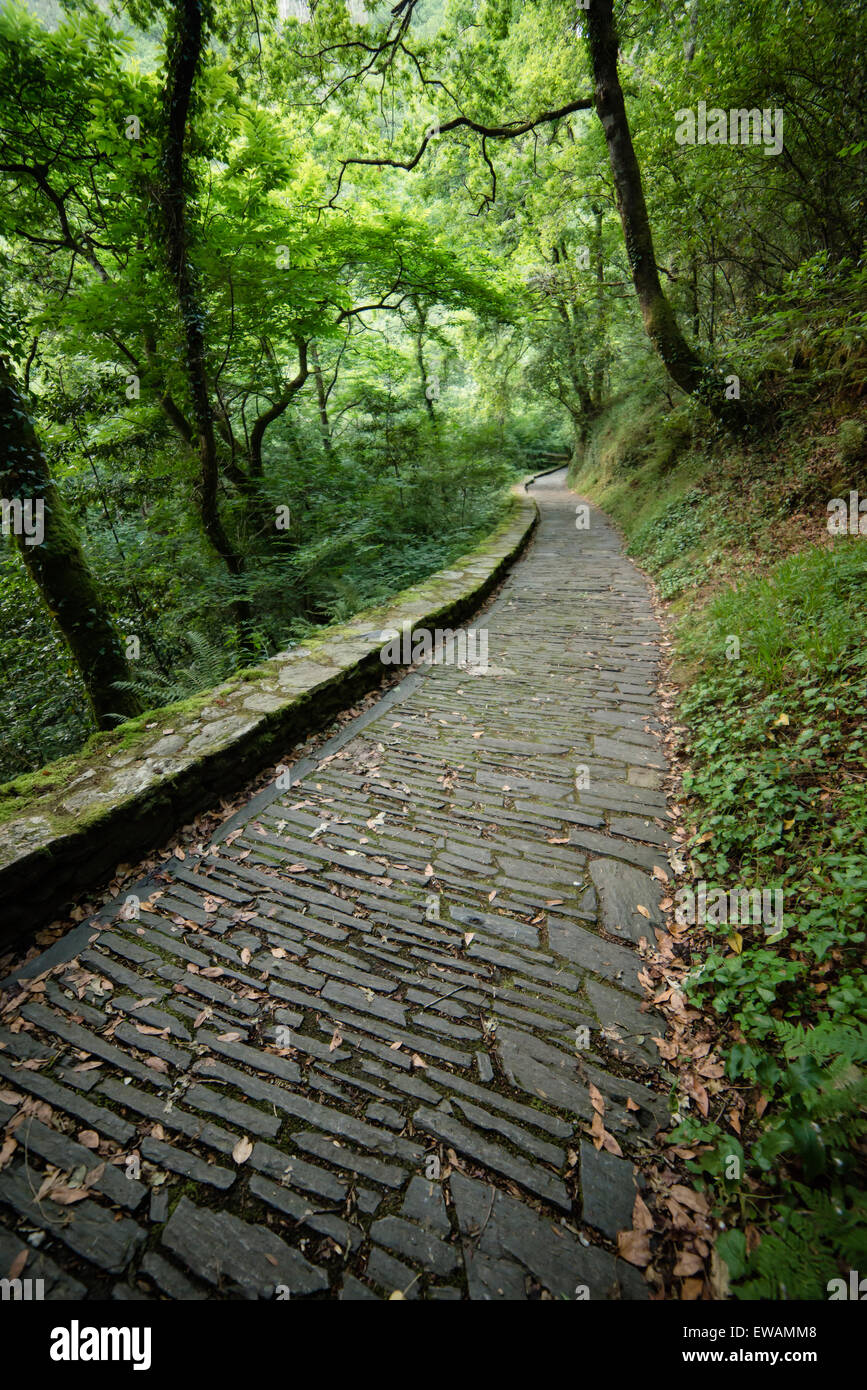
(357, 1048)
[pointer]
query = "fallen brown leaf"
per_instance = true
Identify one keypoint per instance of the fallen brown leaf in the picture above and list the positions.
(242, 1150)
(634, 1246)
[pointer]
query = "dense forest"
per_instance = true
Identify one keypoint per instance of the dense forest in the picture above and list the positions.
(291, 295)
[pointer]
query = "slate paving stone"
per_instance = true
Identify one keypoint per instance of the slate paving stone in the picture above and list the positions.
(217, 993)
(92, 1231)
(66, 1154)
(493, 1280)
(288, 1168)
(506, 1230)
(520, 1138)
(57, 1284)
(455, 997)
(638, 828)
(414, 1243)
(593, 952)
(544, 1071)
(305, 1212)
(175, 1056)
(255, 1057)
(425, 1204)
(153, 1018)
(608, 1190)
(468, 1141)
(552, 1124)
(61, 1098)
(333, 1151)
(622, 751)
(176, 1160)
(236, 1112)
(90, 1042)
(391, 1274)
(385, 1115)
(354, 1291)
(159, 1206)
(627, 850)
(621, 889)
(126, 1293)
(170, 1280)
(449, 1030)
(356, 999)
(69, 1002)
(173, 1118)
(221, 1249)
(104, 964)
(483, 1064)
(634, 1028)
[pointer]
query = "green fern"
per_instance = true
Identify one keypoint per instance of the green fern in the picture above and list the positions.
(827, 1039)
(818, 1238)
(207, 665)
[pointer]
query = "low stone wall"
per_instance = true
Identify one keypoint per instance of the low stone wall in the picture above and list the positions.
(64, 829)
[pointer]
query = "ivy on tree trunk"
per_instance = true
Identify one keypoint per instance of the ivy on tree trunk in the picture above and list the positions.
(58, 565)
(185, 49)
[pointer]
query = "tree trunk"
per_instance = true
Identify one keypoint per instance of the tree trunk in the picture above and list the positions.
(322, 401)
(598, 386)
(185, 48)
(682, 364)
(580, 436)
(421, 315)
(274, 411)
(58, 565)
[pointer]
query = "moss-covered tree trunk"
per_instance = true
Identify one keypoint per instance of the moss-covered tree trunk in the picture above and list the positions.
(683, 365)
(601, 355)
(185, 49)
(57, 563)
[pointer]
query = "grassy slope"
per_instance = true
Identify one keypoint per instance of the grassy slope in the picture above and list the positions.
(768, 622)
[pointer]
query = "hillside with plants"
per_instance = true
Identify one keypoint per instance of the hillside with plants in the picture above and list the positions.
(291, 296)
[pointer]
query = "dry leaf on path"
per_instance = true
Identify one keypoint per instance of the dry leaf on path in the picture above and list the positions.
(67, 1196)
(641, 1217)
(688, 1263)
(634, 1246)
(696, 1201)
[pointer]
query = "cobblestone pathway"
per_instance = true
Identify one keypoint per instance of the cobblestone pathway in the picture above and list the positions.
(381, 974)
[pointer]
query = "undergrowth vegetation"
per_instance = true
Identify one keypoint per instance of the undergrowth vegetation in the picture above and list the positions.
(772, 667)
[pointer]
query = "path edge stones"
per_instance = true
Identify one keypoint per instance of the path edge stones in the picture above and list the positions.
(65, 828)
